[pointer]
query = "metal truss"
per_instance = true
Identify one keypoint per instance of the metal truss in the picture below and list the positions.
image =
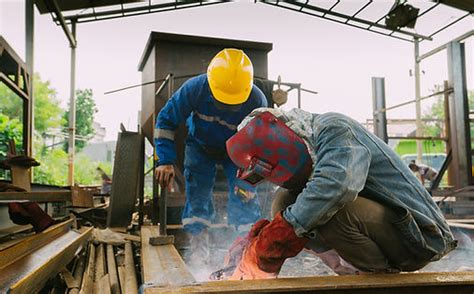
(354, 19)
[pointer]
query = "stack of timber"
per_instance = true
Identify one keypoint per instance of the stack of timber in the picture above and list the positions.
(110, 266)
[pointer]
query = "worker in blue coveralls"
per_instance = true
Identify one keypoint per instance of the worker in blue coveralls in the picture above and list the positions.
(212, 105)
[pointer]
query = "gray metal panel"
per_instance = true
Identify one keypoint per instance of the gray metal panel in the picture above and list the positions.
(128, 156)
(378, 103)
(459, 114)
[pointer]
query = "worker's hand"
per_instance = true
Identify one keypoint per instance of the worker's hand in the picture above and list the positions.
(165, 175)
(267, 252)
(236, 251)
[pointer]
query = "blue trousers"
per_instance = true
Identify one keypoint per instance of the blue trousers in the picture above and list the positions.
(200, 173)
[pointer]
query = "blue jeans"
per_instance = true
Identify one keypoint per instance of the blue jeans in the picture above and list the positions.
(199, 173)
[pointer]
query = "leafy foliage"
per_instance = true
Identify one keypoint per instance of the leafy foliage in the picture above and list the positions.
(85, 110)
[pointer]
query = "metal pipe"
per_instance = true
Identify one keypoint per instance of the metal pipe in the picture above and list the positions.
(444, 46)
(418, 138)
(72, 110)
(419, 125)
(449, 90)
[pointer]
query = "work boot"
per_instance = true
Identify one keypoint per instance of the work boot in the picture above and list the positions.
(199, 247)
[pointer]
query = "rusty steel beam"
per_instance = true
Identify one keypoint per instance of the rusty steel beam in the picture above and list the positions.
(30, 273)
(18, 250)
(406, 283)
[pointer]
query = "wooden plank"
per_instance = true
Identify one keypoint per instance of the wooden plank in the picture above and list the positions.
(20, 249)
(130, 286)
(162, 265)
(50, 196)
(112, 270)
(442, 282)
(29, 274)
(88, 278)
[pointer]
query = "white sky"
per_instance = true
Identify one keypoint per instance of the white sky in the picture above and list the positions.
(337, 61)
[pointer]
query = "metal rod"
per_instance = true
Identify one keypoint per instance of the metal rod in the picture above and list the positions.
(414, 100)
(418, 138)
(362, 8)
(444, 46)
(72, 110)
(163, 85)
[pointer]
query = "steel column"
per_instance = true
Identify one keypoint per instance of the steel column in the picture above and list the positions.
(419, 126)
(28, 116)
(459, 115)
(72, 109)
(378, 103)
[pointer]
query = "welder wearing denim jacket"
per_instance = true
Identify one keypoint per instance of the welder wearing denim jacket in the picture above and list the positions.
(212, 105)
(356, 196)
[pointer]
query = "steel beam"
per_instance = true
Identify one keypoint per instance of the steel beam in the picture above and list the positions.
(20, 249)
(72, 107)
(419, 125)
(30, 273)
(459, 115)
(378, 103)
(407, 283)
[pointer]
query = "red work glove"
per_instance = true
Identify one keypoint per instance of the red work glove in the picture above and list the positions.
(236, 250)
(267, 252)
(30, 213)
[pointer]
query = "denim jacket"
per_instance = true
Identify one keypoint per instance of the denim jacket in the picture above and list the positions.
(348, 161)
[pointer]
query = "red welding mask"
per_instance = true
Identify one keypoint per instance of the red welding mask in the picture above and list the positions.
(267, 149)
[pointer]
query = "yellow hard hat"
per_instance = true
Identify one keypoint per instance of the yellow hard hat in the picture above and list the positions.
(230, 76)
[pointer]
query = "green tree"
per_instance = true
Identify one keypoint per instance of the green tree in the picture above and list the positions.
(436, 114)
(85, 111)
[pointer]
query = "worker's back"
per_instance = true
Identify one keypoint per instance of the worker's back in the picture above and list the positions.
(391, 182)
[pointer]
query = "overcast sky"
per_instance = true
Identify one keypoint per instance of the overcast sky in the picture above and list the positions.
(337, 61)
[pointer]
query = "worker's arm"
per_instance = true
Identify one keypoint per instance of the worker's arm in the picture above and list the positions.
(340, 174)
(176, 111)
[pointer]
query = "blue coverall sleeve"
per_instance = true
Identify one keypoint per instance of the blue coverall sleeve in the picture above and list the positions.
(340, 174)
(177, 110)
